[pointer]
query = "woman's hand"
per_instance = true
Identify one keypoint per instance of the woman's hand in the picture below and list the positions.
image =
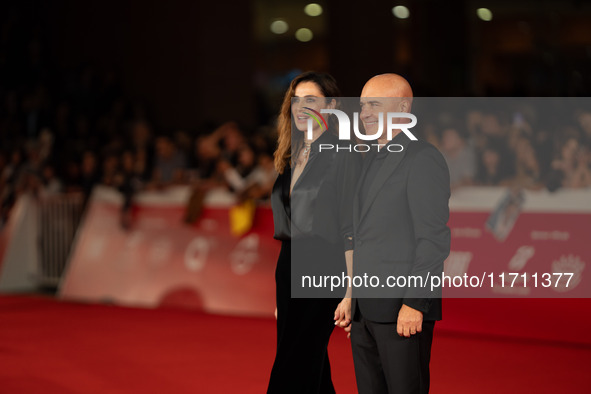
(342, 315)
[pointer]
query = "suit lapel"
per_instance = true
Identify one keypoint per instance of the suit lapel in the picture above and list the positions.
(285, 184)
(387, 168)
(322, 157)
(356, 203)
(306, 170)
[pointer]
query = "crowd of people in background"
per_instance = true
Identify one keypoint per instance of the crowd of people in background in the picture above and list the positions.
(64, 143)
(67, 130)
(516, 147)
(75, 151)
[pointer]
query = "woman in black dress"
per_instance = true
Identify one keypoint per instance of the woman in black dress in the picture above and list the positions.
(313, 213)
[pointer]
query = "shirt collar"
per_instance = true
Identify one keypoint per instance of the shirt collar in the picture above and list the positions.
(325, 138)
(399, 139)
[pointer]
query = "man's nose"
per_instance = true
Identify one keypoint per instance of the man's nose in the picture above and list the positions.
(365, 112)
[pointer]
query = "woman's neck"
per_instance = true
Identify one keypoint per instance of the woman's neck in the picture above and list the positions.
(316, 133)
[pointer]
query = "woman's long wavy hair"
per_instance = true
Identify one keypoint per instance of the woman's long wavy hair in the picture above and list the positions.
(283, 154)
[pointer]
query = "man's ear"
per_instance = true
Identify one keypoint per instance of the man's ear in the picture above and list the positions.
(404, 106)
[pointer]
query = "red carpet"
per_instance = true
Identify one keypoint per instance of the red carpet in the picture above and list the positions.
(49, 347)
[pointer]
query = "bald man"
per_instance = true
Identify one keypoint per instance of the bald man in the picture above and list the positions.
(400, 226)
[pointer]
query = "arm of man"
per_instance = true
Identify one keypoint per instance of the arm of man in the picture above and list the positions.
(349, 170)
(428, 194)
(342, 314)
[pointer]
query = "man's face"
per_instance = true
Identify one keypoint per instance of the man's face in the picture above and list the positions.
(372, 108)
(377, 99)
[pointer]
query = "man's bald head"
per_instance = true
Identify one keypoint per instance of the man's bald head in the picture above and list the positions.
(387, 85)
(385, 93)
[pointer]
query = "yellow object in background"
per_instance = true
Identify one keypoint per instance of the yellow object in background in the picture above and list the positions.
(242, 217)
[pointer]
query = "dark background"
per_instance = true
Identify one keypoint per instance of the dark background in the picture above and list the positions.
(190, 64)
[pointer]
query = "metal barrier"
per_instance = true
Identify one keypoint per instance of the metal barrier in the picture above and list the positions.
(58, 218)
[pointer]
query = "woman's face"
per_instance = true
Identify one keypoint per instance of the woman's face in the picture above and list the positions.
(307, 94)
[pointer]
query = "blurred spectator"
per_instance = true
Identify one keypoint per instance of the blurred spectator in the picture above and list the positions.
(72, 176)
(544, 148)
(492, 166)
(183, 142)
(51, 184)
(129, 177)
(205, 176)
(129, 181)
(231, 138)
(527, 168)
(573, 165)
(12, 170)
(482, 128)
(260, 182)
(89, 173)
(169, 165)
(207, 155)
(141, 145)
(236, 177)
(10, 179)
(584, 120)
(459, 156)
(430, 135)
(34, 106)
(264, 140)
(45, 144)
(110, 170)
(250, 179)
(30, 182)
(581, 177)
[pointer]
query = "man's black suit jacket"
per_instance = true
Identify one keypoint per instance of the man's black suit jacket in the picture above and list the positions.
(401, 229)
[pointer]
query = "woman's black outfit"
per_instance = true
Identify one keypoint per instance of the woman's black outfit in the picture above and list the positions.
(315, 225)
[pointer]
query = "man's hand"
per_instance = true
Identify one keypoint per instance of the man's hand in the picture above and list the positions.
(342, 315)
(410, 321)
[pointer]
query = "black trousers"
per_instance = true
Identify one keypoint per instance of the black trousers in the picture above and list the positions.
(304, 326)
(386, 363)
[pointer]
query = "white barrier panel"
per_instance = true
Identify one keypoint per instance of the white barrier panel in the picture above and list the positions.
(161, 260)
(58, 219)
(35, 243)
(19, 256)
